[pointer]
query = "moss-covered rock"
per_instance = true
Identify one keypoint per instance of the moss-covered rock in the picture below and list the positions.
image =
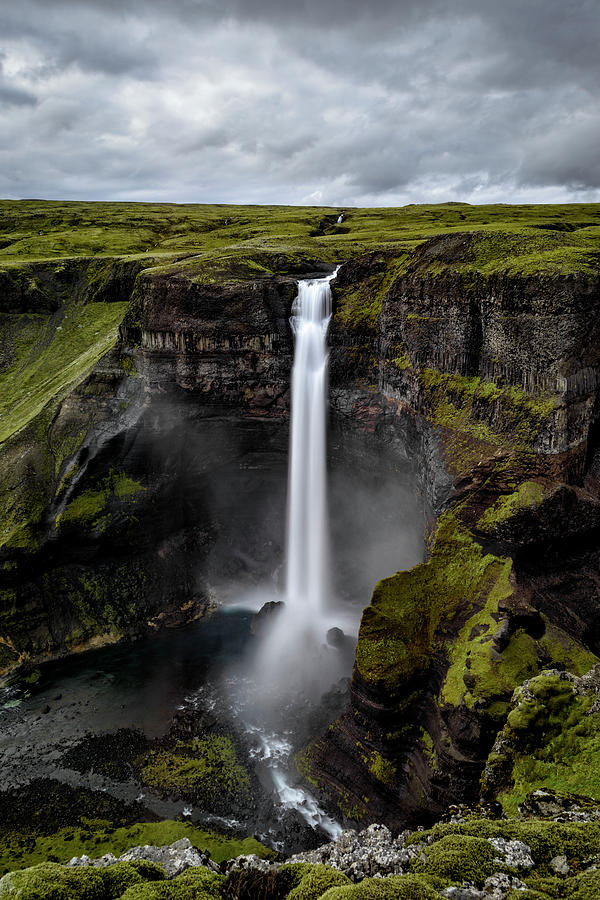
(395, 887)
(528, 494)
(410, 612)
(135, 881)
(312, 881)
(577, 841)
(207, 770)
(51, 881)
(459, 858)
(550, 740)
(193, 884)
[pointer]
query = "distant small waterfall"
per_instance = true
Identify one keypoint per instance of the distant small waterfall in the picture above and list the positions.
(307, 556)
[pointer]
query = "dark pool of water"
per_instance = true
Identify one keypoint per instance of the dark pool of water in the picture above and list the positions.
(129, 685)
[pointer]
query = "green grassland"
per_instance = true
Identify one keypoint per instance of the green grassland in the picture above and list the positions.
(547, 238)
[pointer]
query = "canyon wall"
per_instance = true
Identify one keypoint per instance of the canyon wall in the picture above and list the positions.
(118, 490)
(490, 382)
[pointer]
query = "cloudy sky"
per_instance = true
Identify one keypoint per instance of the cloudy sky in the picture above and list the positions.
(338, 102)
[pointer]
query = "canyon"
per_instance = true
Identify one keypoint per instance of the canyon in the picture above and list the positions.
(144, 428)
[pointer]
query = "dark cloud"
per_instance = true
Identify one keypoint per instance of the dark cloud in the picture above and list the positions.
(333, 101)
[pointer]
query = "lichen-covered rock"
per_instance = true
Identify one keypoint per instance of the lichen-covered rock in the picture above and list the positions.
(513, 853)
(247, 862)
(363, 854)
(174, 858)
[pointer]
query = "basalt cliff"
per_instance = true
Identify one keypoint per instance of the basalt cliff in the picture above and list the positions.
(145, 401)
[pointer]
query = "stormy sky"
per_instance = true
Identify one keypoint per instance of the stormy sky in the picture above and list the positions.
(337, 102)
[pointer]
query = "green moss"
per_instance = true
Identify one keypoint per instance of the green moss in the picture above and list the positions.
(61, 357)
(193, 884)
(134, 881)
(477, 673)
(549, 238)
(585, 886)
(128, 365)
(528, 494)
(529, 895)
(402, 361)
(359, 305)
(467, 405)
(567, 762)
(124, 486)
(313, 880)
(84, 509)
(551, 740)
(575, 840)
(87, 508)
(565, 652)
(51, 881)
(395, 887)
(428, 748)
(545, 886)
(459, 858)
(404, 624)
(207, 767)
(384, 770)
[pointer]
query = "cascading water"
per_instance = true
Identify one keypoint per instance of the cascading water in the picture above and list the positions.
(293, 658)
(307, 540)
(293, 663)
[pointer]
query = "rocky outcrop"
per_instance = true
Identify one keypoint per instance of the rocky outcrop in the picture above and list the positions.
(174, 858)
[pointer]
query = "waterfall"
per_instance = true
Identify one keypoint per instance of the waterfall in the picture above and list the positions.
(293, 658)
(292, 662)
(307, 555)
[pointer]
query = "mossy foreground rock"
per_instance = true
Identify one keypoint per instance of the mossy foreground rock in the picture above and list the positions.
(135, 881)
(51, 880)
(481, 857)
(407, 887)
(551, 740)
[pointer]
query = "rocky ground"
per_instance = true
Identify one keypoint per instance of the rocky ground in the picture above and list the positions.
(472, 856)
